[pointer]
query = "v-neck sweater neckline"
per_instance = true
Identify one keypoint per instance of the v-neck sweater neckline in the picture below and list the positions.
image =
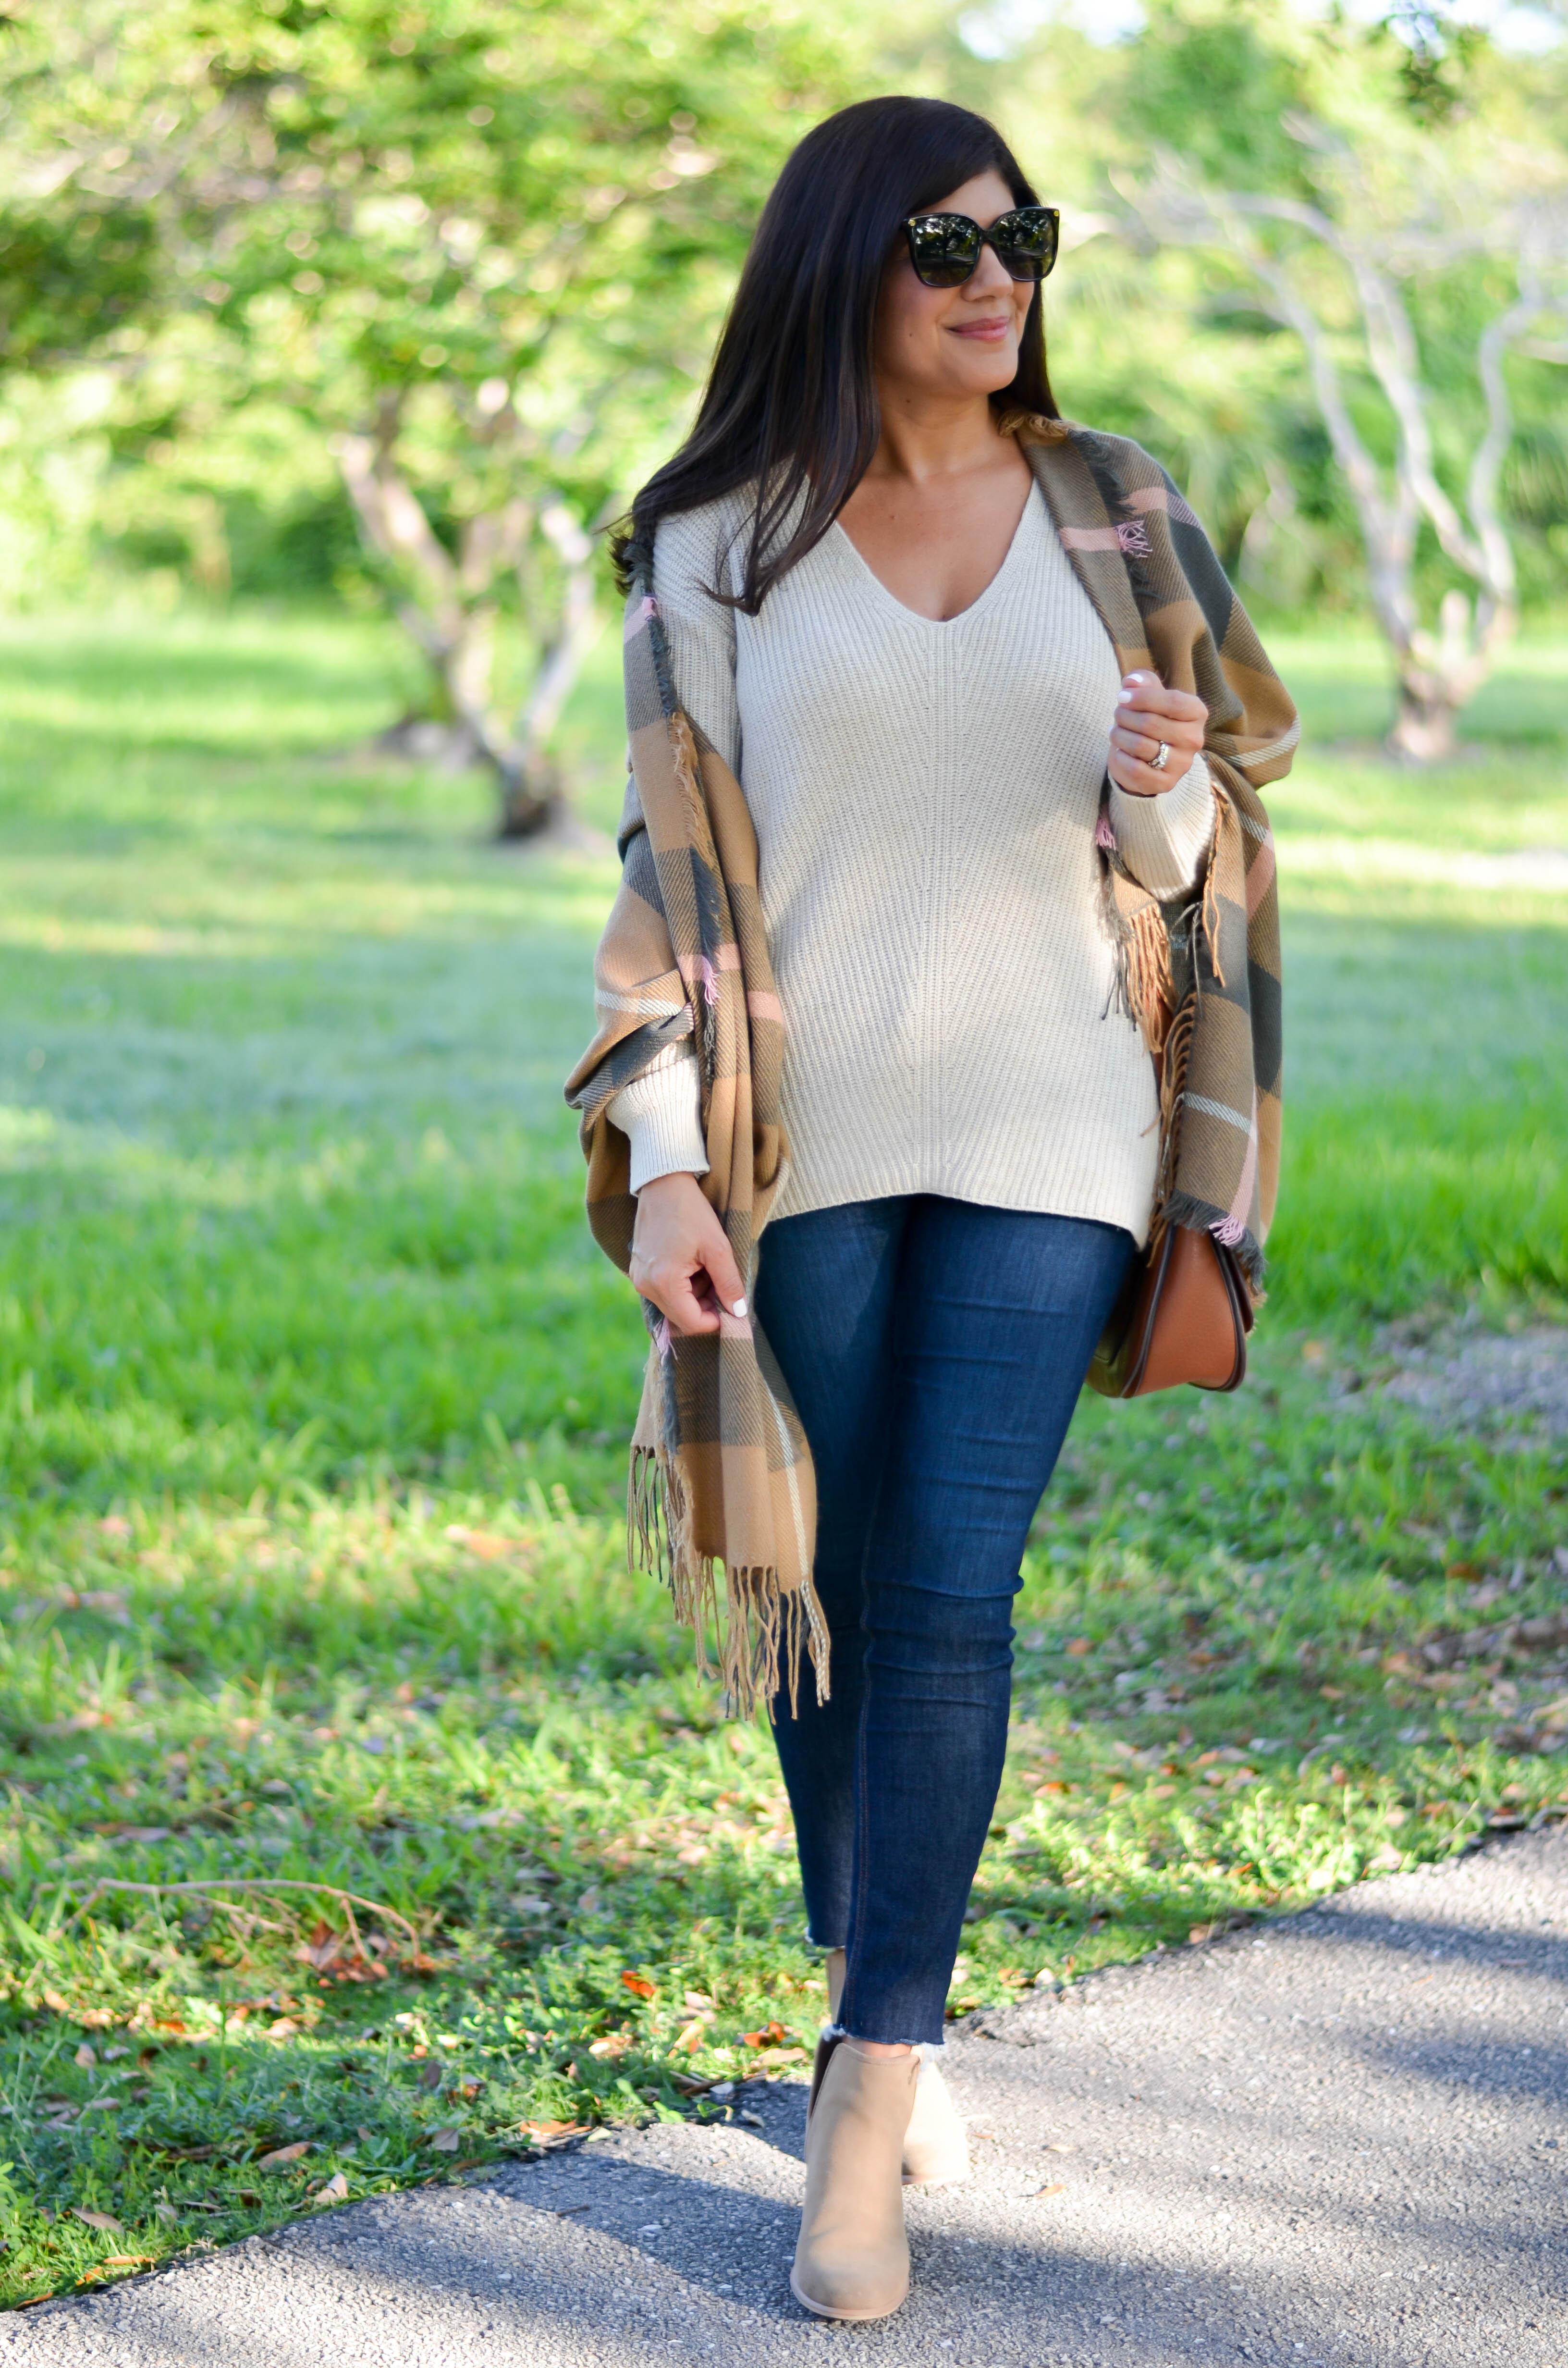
(839, 535)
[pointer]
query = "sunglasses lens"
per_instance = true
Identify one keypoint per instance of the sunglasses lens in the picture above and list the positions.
(1026, 241)
(944, 250)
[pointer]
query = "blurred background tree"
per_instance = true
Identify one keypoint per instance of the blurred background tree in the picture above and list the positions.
(463, 248)
(394, 300)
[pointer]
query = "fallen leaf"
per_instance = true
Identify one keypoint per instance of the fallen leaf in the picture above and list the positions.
(1051, 2187)
(1332, 1694)
(102, 2104)
(334, 2191)
(281, 2157)
(767, 2037)
(322, 1947)
(615, 2043)
(638, 1985)
(444, 2142)
(52, 1998)
(548, 2133)
(83, 2055)
(100, 2220)
(1079, 1646)
(688, 2039)
(487, 1546)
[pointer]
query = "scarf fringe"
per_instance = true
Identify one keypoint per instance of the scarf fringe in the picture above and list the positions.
(1175, 1052)
(1149, 975)
(763, 1629)
(1143, 989)
(1211, 913)
(1181, 1209)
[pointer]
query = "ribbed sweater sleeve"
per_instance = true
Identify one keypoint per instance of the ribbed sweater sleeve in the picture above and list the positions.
(1162, 840)
(661, 1115)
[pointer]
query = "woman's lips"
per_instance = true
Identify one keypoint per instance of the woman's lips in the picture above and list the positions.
(990, 331)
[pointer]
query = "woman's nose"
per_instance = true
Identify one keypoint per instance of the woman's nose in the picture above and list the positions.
(988, 275)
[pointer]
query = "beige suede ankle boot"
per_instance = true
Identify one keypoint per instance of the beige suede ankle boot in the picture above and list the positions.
(852, 2257)
(936, 2145)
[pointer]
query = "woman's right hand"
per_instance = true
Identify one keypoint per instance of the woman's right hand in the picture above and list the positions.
(681, 1257)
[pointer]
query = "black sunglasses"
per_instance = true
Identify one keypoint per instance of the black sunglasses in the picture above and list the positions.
(945, 248)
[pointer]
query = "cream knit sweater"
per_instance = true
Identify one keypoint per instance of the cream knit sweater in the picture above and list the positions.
(924, 796)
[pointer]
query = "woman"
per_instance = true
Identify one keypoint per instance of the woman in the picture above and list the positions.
(885, 1004)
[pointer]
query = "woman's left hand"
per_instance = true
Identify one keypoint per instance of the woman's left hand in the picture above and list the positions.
(1146, 713)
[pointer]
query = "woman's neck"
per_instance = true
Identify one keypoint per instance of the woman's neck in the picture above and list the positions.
(925, 436)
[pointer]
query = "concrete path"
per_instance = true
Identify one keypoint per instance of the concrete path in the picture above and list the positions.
(1339, 2141)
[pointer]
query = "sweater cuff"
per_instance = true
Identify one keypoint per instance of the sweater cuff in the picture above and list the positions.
(1162, 840)
(661, 1115)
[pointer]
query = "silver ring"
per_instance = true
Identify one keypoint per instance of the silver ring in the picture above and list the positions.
(1157, 763)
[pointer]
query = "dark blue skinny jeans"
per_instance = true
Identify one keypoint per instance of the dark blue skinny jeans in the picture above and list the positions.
(935, 1350)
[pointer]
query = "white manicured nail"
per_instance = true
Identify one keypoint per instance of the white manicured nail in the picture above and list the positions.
(739, 1308)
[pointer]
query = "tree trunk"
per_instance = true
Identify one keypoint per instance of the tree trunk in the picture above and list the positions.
(530, 796)
(452, 613)
(1440, 673)
(1423, 730)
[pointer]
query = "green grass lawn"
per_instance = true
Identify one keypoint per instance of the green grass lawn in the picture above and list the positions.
(314, 1397)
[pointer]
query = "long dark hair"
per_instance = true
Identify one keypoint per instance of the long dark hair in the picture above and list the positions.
(791, 404)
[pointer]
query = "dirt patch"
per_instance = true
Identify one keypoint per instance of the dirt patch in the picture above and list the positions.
(1486, 1381)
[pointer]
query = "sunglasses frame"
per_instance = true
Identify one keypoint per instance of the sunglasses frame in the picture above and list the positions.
(985, 238)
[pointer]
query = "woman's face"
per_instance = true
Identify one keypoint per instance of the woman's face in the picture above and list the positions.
(953, 342)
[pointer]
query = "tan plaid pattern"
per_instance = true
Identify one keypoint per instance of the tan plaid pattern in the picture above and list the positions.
(721, 1480)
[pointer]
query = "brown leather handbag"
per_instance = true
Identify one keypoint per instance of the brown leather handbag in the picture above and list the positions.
(1183, 1315)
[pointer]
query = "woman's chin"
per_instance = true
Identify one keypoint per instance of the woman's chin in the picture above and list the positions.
(972, 376)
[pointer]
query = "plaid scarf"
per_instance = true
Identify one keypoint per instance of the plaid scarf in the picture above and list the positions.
(722, 1479)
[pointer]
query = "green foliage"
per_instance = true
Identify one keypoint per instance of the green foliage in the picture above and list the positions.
(1218, 85)
(314, 1400)
(67, 277)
